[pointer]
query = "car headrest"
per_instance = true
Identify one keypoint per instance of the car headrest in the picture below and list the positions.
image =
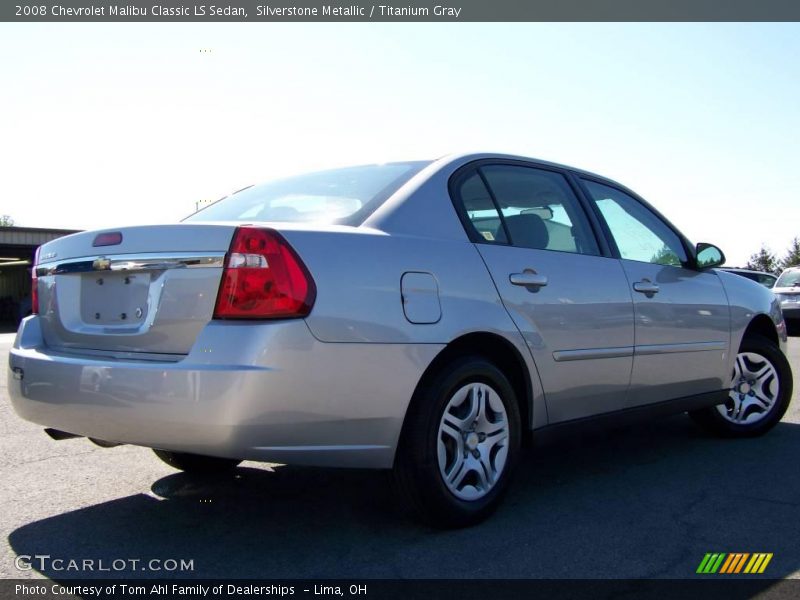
(528, 230)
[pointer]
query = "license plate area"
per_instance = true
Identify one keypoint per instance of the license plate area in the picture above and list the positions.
(114, 298)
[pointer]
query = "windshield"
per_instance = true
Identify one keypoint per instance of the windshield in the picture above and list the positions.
(788, 279)
(340, 196)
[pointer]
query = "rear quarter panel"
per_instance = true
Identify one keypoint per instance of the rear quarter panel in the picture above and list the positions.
(358, 287)
(358, 278)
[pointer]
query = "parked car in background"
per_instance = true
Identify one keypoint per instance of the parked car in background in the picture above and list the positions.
(787, 289)
(419, 316)
(766, 279)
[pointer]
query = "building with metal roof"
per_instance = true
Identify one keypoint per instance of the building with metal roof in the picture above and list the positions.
(17, 248)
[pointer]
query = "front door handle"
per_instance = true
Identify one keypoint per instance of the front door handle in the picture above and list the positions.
(528, 278)
(647, 287)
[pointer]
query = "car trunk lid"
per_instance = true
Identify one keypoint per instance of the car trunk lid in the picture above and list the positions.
(150, 293)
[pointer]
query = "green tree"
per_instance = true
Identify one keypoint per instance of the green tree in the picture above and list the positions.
(763, 260)
(792, 258)
(6, 221)
(665, 256)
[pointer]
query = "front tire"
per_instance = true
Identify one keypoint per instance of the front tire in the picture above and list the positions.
(761, 389)
(196, 463)
(459, 445)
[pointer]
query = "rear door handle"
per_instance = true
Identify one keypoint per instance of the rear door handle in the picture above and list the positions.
(645, 286)
(528, 278)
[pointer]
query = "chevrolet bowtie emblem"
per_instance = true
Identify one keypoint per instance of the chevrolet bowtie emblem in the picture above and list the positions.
(101, 264)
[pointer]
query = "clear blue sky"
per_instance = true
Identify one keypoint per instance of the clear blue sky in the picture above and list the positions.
(111, 124)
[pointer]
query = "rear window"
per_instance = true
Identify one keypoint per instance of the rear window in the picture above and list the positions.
(762, 278)
(746, 275)
(788, 279)
(341, 196)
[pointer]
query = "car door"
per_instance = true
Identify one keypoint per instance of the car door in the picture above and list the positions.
(682, 317)
(572, 305)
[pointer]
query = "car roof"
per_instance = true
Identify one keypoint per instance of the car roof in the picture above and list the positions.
(473, 156)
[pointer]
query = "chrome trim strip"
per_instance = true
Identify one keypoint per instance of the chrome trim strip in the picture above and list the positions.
(115, 355)
(592, 353)
(131, 262)
(595, 353)
(686, 347)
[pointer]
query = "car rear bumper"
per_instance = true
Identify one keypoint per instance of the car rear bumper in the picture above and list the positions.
(268, 391)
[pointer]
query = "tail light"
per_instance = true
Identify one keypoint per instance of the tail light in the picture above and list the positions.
(263, 278)
(35, 285)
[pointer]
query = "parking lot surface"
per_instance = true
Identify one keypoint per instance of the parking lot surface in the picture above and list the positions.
(645, 501)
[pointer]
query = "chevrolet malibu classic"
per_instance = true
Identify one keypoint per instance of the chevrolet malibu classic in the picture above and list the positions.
(425, 317)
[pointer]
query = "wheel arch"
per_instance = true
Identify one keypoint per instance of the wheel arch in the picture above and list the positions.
(499, 351)
(763, 326)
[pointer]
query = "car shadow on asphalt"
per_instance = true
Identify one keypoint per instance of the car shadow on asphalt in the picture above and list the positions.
(645, 501)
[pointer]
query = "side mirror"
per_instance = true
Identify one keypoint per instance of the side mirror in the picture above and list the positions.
(708, 256)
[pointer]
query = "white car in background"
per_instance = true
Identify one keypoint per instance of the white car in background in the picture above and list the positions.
(787, 289)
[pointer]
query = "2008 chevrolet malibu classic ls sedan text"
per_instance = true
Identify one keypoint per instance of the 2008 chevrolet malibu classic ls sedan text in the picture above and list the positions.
(420, 316)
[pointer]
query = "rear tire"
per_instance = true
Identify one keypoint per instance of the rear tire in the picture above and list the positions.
(761, 389)
(196, 463)
(459, 445)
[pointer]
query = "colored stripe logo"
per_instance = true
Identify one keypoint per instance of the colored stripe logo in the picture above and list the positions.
(734, 563)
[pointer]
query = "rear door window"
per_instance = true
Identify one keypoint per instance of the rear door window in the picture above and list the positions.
(483, 216)
(525, 207)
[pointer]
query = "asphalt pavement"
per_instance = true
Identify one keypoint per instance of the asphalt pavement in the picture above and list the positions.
(645, 501)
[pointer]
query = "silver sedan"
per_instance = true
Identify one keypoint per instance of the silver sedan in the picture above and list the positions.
(421, 316)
